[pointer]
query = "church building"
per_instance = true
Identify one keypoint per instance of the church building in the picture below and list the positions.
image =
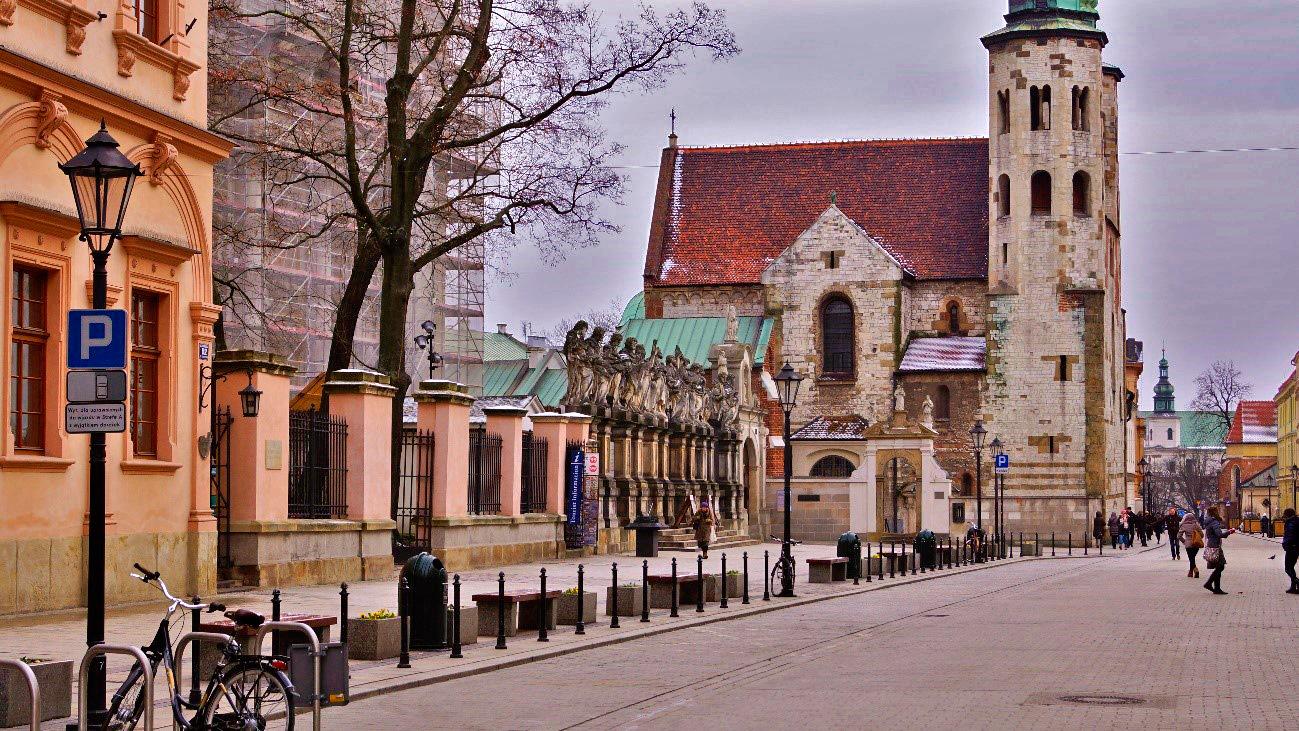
(920, 285)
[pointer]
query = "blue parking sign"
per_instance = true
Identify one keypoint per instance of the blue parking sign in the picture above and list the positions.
(1003, 462)
(97, 338)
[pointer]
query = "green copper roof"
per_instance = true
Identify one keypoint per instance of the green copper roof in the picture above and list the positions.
(1199, 429)
(500, 376)
(635, 309)
(1046, 17)
(498, 346)
(1082, 6)
(696, 335)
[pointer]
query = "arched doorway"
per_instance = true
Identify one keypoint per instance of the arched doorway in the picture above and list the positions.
(897, 488)
(752, 484)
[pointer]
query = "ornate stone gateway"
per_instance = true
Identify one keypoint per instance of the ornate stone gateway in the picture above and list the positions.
(667, 428)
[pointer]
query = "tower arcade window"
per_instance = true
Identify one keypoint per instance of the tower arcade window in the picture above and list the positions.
(1005, 254)
(1081, 108)
(837, 338)
(1003, 111)
(1041, 194)
(1082, 194)
(943, 405)
(1039, 112)
(1003, 196)
(28, 340)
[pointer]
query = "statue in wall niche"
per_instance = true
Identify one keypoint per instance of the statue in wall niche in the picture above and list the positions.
(927, 412)
(732, 324)
(899, 400)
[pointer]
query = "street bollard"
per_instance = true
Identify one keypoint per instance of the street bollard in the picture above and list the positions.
(342, 612)
(724, 582)
(276, 649)
(613, 623)
(1071, 545)
(766, 576)
(195, 695)
(500, 611)
(1052, 544)
(403, 613)
(903, 545)
(699, 602)
(674, 612)
(581, 602)
(881, 560)
(455, 619)
(644, 591)
(746, 578)
(893, 559)
(543, 634)
(856, 579)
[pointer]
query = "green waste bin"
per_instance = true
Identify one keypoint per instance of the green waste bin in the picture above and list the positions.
(849, 547)
(426, 579)
(926, 546)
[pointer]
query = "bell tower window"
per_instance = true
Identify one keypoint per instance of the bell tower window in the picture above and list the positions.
(1041, 185)
(1003, 196)
(1039, 112)
(1081, 104)
(1003, 112)
(1082, 194)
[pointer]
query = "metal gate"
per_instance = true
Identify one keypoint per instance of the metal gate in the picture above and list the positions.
(317, 465)
(220, 447)
(535, 452)
(412, 500)
(484, 473)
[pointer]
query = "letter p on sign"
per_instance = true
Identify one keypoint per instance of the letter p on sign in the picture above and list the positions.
(96, 338)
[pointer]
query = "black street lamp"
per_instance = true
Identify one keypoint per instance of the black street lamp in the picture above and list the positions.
(997, 521)
(102, 179)
(425, 342)
(1143, 470)
(787, 383)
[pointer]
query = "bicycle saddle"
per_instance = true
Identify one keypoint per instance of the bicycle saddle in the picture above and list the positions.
(246, 618)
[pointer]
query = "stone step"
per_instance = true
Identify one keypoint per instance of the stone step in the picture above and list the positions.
(722, 543)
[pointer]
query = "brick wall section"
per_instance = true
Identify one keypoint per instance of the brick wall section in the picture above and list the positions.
(953, 447)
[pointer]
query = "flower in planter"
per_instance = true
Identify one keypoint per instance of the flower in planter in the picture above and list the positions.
(571, 591)
(630, 585)
(378, 614)
(32, 660)
(732, 572)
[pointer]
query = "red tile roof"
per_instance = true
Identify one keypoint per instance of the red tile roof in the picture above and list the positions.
(724, 213)
(1254, 423)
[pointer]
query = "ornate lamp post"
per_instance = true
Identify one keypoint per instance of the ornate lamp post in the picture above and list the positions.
(102, 179)
(977, 435)
(1143, 471)
(997, 520)
(425, 342)
(787, 383)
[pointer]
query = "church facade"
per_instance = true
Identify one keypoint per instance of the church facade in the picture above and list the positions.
(920, 285)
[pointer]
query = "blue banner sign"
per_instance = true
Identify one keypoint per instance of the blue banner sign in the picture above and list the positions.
(576, 460)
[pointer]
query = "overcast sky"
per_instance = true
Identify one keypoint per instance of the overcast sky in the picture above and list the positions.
(1208, 239)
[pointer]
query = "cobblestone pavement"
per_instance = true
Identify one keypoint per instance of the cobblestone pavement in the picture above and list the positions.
(1035, 644)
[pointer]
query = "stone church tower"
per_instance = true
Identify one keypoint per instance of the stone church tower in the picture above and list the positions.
(1055, 322)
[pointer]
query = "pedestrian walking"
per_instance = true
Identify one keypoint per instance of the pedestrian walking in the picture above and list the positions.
(705, 524)
(1143, 527)
(1116, 530)
(1191, 535)
(1171, 524)
(1290, 542)
(1214, 558)
(1098, 527)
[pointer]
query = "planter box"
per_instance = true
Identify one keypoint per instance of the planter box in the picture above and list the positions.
(734, 586)
(468, 625)
(373, 639)
(1028, 548)
(566, 609)
(629, 601)
(55, 680)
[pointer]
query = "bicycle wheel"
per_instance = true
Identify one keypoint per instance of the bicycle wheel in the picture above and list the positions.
(127, 707)
(252, 697)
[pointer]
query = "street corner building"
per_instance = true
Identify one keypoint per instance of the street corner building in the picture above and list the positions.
(920, 285)
(139, 68)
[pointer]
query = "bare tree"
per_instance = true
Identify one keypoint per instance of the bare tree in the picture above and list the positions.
(431, 124)
(609, 318)
(1217, 391)
(1185, 481)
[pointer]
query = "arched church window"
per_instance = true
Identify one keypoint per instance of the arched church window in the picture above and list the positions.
(833, 466)
(1170, 435)
(1041, 193)
(954, 318)
(943, 405)
(1003, 196)
(1081, 111)
(1039, 101)
(1003, 111)
(1082, 194)
(837, 337)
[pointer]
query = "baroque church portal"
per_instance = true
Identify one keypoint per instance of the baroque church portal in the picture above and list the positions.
(921, 284)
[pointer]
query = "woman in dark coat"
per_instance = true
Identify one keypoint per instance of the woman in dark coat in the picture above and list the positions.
(1214, 532)
(1116, 530)
(1098, 527)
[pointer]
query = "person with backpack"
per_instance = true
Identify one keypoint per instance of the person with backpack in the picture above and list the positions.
(1214, 558)
(1116, 530)
(1290, 542)
(1191, 535)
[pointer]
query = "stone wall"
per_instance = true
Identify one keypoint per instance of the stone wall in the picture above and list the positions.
(703, 301)
(927, 307)
(953, 449)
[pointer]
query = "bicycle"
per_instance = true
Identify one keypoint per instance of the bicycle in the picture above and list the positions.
(778, 573)
(245, 692)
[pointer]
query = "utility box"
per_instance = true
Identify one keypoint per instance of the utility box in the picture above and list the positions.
(333, 674)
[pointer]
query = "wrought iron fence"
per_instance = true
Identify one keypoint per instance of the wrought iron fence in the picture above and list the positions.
(220, 446)
(317, 465)
(484, 473)
(535, 453)
(412, 498)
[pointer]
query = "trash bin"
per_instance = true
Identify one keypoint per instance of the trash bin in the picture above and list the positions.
(926, 545)
(647, 536)
(426, 580)
(849, 547)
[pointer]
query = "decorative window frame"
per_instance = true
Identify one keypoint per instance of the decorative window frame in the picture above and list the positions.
(171, 57)
(71, 13)
(155, 266)
(42, 239)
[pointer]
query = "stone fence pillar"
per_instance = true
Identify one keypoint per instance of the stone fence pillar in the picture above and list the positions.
(444, 410)
(507, 423)
(364, 400)
(554, 429)
(259, 446)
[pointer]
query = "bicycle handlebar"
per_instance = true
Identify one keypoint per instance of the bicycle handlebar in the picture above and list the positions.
(149, 577)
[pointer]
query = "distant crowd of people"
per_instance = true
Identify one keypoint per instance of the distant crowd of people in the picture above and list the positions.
(1194, 533)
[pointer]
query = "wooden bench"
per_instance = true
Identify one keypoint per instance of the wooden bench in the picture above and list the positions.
(523, 609)
(688, 587)
(827, 570)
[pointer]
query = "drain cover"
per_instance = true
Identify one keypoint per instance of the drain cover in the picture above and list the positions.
(1103, 700)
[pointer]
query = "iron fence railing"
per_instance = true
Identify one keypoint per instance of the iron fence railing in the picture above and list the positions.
(484, 473)
(317, 465)
(412, 498)
(535, 457)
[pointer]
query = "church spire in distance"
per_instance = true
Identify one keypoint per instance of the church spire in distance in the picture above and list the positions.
(1164, 401)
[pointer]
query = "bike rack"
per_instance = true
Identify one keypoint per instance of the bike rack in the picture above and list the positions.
(181, 644)
(33, 690)
(315, 659)
(83, 676)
